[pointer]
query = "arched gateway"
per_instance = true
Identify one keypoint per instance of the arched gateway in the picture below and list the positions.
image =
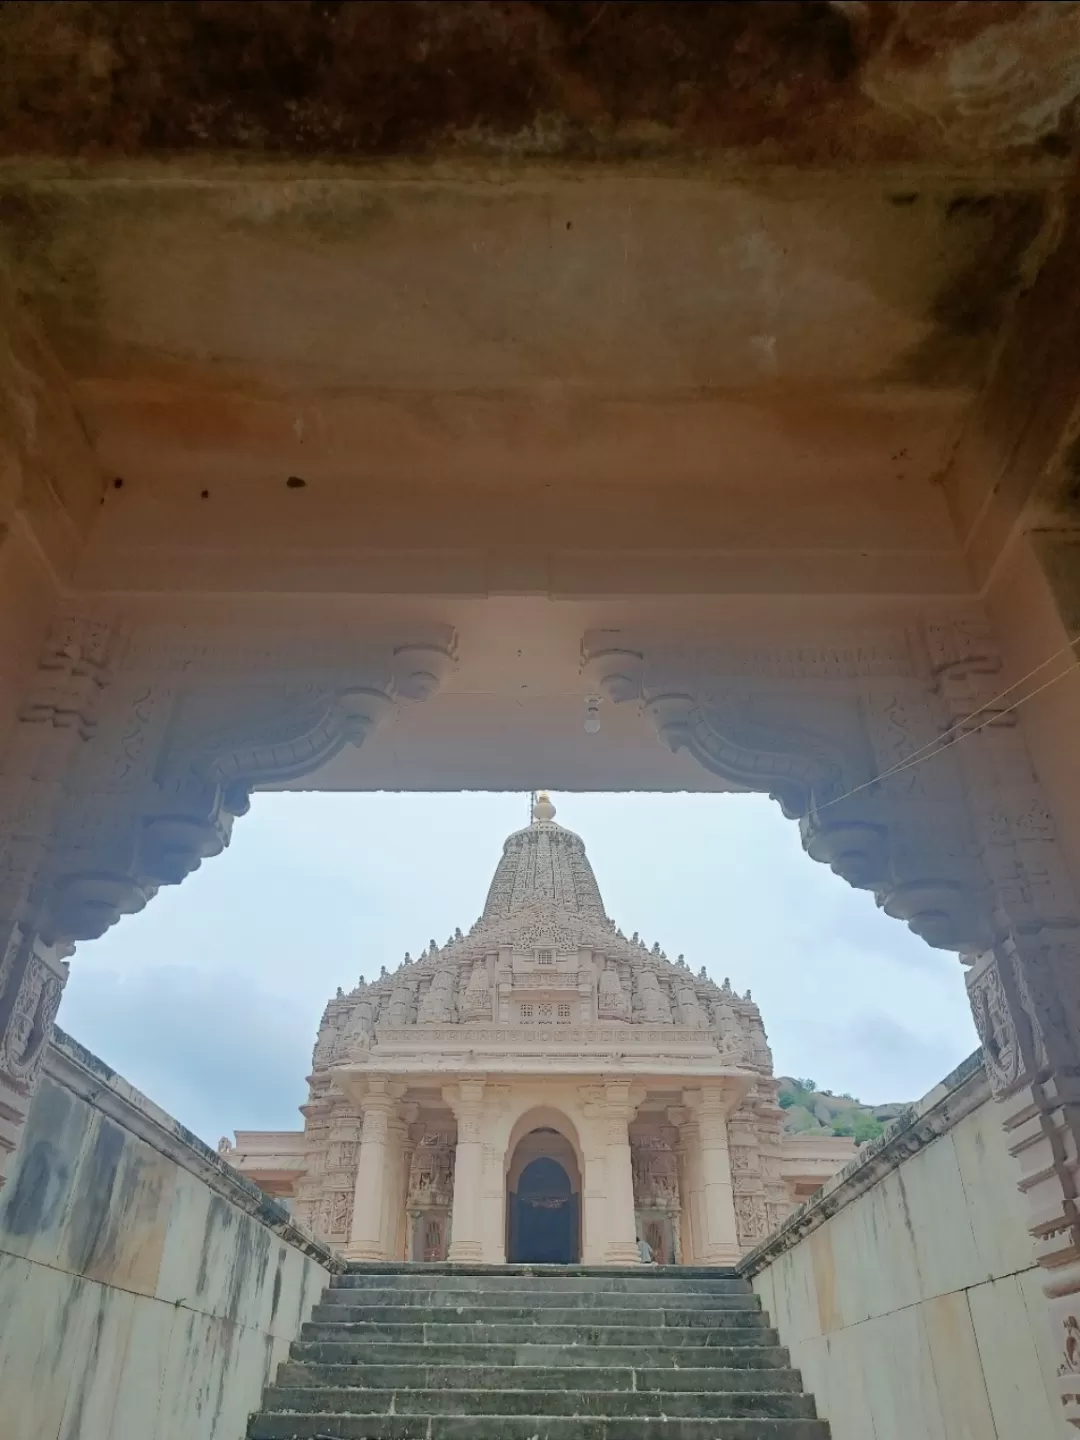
(543, 1089)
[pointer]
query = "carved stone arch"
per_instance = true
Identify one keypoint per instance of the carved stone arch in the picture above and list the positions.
(157, 790)
(812, 731)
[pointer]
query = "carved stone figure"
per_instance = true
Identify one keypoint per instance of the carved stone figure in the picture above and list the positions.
(431, 1174)
(437, 1006)
(690, 1009)
(655, 1172)
(360, 1033)
(655, 1006)
(729, 1036)
(476, 1001)
(401, 1009)
(612, 1001)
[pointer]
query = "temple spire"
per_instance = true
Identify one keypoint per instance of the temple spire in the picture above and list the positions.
(543, 864)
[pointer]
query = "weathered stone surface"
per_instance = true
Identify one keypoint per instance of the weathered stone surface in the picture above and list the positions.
(147, 1291)
(804, 82)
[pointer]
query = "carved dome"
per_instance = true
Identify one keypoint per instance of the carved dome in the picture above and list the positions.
(543, 864)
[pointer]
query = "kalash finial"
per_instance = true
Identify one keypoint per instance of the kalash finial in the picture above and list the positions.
(543, 809)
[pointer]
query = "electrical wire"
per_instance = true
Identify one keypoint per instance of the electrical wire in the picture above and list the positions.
(958, 730)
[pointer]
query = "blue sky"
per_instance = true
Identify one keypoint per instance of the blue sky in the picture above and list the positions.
(210, 999)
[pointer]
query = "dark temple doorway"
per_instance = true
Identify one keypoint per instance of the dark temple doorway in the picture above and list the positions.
(544, 1225)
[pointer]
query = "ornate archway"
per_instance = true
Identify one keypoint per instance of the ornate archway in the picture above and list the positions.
(899, 754)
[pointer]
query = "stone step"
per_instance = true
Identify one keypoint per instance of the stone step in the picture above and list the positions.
(545, 1279)
(765, 1355)
(442, 1297)
(524, 1333)
(692, 1404)
(591, 1316)
(470, 1378)
(537, 1353)
(269, 1426)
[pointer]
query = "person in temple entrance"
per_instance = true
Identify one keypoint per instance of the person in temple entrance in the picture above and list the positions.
(542, 1089)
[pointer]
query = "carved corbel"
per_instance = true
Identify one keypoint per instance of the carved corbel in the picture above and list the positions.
(165, 784)
(821, 731)
(613, 672)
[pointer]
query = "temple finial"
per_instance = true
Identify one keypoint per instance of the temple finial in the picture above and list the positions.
(543, 809)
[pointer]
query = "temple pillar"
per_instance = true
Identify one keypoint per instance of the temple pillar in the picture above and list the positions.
(398, 1157)
(608, 1182)
(368, 1237)
(466, 1100)
(493, 1197)
(721, 1237)
(691, 1186)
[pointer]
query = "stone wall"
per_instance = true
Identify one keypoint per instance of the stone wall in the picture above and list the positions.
(146, 1289)
(906, 1288)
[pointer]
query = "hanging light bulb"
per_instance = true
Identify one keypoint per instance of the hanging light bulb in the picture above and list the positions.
(592, 714)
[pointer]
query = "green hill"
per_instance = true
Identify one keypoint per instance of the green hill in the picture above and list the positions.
(810, 1111)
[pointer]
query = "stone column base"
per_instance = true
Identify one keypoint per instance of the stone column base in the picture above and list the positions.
(621, 1252)
(466, 1252)
(726, 1255)
(362, 1253)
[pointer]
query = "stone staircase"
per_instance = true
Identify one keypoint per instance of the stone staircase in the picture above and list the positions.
(434, 1352)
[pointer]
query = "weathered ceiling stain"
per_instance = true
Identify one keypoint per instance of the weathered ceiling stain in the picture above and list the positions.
(804, 83)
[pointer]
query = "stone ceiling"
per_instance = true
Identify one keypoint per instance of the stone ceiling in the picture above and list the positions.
(800, 83)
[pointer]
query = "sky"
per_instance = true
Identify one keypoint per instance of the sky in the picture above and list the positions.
(209, 1001)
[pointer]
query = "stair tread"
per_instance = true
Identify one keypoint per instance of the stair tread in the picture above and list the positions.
(468, 1377)
(537, 1353)
(693, 1404)
(277, 1426)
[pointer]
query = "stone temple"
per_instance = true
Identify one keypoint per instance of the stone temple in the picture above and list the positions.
(542, 1089)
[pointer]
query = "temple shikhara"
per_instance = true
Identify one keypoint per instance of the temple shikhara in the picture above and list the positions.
(543, 1088)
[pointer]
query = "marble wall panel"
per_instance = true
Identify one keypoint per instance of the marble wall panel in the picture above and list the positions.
(142, 1294)
(1005, 1334)
(915, 1307)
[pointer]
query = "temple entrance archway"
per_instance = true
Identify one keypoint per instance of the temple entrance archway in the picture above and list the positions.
(543, 1200)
